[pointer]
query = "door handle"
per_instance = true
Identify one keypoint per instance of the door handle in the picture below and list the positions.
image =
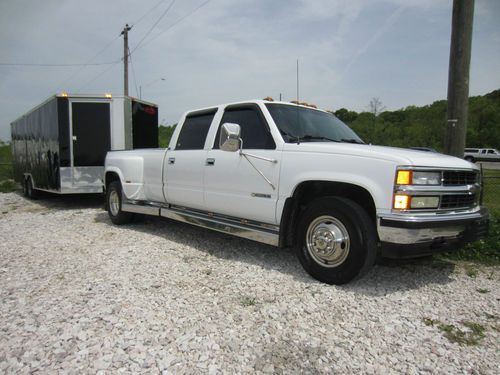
(171, 160)
(210, 161)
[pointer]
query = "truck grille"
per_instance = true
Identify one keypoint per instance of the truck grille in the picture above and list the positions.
(454, 178)
(457, 201)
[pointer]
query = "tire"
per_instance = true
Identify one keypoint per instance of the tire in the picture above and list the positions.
(31, 192)
(25, 187)
(114, 204)
(337, 241)
(470, 158)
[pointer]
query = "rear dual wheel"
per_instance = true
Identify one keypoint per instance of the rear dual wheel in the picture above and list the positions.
(337, 240)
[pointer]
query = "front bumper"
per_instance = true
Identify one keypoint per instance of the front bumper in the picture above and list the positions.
(404, 236)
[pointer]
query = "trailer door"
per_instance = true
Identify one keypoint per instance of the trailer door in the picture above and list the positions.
(91, 140)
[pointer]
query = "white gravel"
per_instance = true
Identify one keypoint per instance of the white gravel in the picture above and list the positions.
(79, 295)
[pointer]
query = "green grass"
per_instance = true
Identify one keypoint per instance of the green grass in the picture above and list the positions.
(491, 194)
(471, 271)
(470, 335)
(485, 251)
(8, 186)
(247, 301)
(482, 290)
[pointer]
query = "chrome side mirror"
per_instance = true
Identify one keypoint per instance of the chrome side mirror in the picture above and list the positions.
(230, 137)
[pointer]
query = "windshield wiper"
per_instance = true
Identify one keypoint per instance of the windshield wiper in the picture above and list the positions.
(352, 140)
(309, 137)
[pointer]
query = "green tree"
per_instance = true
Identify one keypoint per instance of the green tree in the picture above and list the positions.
(164, 135)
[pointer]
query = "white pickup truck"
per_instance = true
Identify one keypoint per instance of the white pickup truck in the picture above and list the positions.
(293, 176)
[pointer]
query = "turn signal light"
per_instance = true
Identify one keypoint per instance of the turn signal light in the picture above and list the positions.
(403, 178)
(401, 202)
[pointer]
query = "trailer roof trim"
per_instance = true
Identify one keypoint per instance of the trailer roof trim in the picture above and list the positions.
(84, 96)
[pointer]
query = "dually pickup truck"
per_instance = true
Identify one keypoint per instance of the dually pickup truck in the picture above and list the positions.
(293, 176)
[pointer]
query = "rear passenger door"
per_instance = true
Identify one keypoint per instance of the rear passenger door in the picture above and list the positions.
(184, 164)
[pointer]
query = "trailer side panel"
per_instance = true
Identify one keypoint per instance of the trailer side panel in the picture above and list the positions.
(144, 125)
(35, 146)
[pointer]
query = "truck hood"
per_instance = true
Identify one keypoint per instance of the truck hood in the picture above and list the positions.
(401, 156)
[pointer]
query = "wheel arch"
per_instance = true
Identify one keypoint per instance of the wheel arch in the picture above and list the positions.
(110, 176)
(307, 191)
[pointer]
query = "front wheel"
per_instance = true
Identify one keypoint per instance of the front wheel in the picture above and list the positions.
(114, 204)
(337, 241)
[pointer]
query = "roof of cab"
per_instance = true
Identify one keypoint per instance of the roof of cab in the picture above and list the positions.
(252, 101)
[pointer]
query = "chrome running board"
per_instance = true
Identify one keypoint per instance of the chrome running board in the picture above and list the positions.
(252, 230)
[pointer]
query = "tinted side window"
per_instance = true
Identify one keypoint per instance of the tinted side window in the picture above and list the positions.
(254, 131)
(194, 132)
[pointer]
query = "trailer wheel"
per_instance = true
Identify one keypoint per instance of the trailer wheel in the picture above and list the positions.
(25, 187)
(114, 204)
(336, 241)
(31, 192)
(470, 159)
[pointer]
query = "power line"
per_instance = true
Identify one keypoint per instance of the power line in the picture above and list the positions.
(133, 72)
(55, 65)
(99, 75)
(147, 13)
(175, 23)
(154, 25)
(87, 63)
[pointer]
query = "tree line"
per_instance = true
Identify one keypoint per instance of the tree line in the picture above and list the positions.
(425, 126)
(408, 127)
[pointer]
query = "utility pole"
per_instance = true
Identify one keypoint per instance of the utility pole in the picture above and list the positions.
(125, 31)
(458, 77)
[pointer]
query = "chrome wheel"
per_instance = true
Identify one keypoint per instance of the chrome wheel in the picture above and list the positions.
(327, 241)
(114, 203)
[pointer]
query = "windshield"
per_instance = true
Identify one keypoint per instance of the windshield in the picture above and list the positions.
(298, 124)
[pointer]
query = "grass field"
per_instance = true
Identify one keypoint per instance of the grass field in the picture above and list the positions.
(6, 183)
(491, 193)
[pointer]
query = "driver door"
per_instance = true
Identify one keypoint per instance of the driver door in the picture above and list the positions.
(233, 184)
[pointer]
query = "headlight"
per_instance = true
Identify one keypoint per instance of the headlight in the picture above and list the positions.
(424, 202)
(408, 177)
(426, 178)
(405, 202)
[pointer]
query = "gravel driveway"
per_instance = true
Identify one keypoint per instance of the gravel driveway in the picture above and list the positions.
(79, 295)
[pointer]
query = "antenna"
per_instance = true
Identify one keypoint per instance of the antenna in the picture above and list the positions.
(297, 104)
(298, 81)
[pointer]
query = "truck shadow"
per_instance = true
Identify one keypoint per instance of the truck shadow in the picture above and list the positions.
(386, 277)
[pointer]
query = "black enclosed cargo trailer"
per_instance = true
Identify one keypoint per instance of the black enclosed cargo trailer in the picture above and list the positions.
(60, 145)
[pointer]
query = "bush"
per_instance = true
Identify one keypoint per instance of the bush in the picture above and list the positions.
(8, 186)
(486, 251)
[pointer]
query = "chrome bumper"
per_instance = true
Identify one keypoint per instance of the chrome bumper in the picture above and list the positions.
(410, 236)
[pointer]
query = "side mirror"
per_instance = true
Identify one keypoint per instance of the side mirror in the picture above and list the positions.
(230, 137)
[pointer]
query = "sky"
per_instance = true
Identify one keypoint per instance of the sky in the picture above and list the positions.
(188, 54)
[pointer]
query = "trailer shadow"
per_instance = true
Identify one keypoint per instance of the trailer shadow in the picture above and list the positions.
(386, 277)
(68, 201)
